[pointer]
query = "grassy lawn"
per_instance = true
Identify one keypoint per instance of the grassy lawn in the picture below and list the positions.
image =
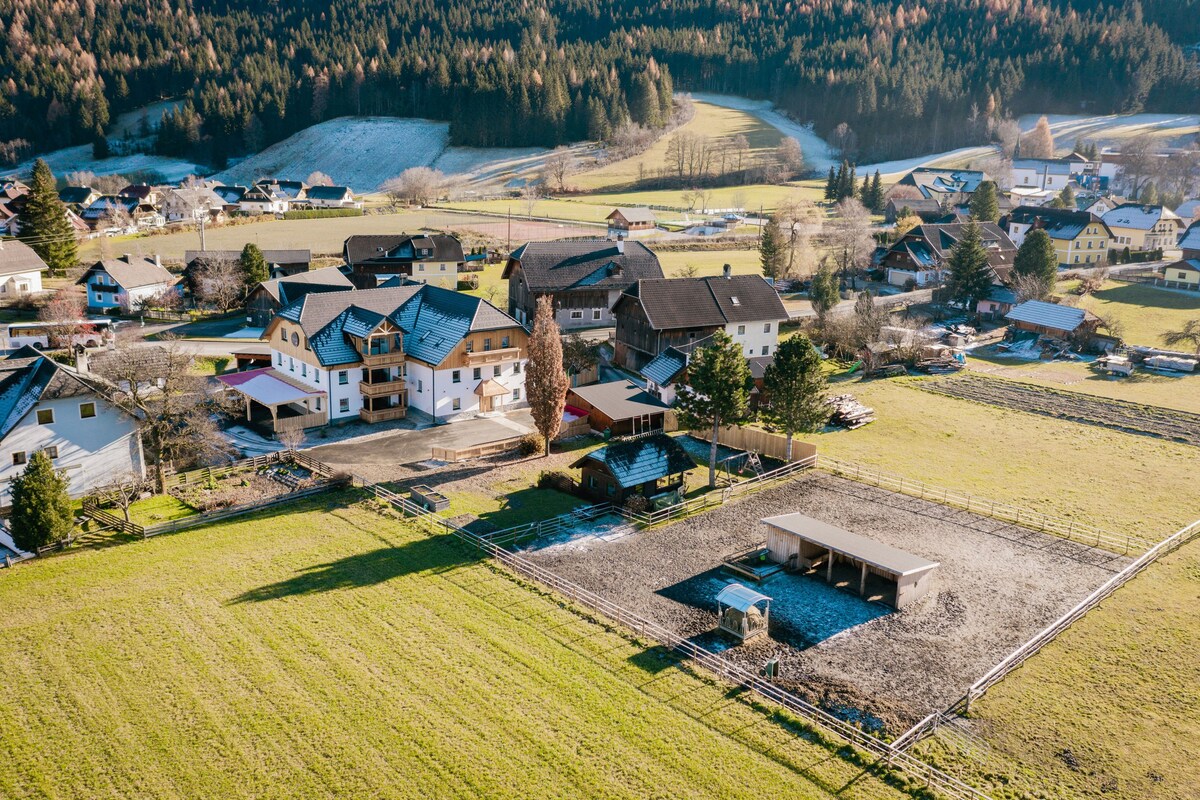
(1144, 312)
(549, 207)
(514, 502)
(709, 120)
(750, 197)
(329, 652)
(160, 508)
(1113, 480)
(710, 262)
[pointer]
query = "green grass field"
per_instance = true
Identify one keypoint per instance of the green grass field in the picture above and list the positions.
(332, 652)
(710, 262)
(160, 508)
(1145, 313)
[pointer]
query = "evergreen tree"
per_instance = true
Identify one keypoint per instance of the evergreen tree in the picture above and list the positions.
(831, 186)
(44, 222)
(1036, 258)
(823, 292)
(718, 391)
(864, 193)
(795, 385)
(1067, 195)
(645, 107)
(254, 266)
(41, 509)
(877, 200)
(772, 249)
(984, 205)
(597, 121)
(546, 382)
(970, 274)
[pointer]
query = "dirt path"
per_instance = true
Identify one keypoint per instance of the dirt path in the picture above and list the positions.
(1164, 423)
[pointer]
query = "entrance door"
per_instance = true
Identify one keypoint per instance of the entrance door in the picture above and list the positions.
(485, 404)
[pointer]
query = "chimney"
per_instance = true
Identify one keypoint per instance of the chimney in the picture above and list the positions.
(727, 271)
(81, 359)
(621, 246)
(157, 260)
(127, 258)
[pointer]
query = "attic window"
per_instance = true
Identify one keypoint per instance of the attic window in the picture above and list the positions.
(733, 299)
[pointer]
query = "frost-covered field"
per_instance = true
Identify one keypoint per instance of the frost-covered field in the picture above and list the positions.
(72, 159)
(817, 152)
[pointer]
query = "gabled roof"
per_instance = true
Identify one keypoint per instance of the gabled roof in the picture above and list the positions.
(130, 274)
(1047, 166)
(26, 377)
(1192, 264)
(1191, 237)
(558, 266)
(16, 257)
(665, 367)
(291, 288)
(139, 190)
(1140, 217)
(1188, 210)
(198, 196)
(230, 194)
(107, 204)
(1048, 315)
(76, 195)
(329, 192)
(933, 182)
(633, 214)
(271, 256)
(635, 462)
(367, 248)
(672, 303)
(1059, 223)
(433, 320)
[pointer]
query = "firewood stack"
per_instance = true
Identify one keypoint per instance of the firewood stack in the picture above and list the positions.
(849, 413)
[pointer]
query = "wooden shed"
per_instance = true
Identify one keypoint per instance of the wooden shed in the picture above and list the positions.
(620, 407)
(646, 466)
(874, 570)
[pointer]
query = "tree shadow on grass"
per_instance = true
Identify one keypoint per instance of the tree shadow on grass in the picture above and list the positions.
(432, 555)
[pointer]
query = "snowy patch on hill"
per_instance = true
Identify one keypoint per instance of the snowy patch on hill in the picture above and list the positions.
(817, 153)
(74, 159)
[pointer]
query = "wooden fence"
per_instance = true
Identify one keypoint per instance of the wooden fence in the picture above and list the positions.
(452, 454)
(818, 719)
(768, 444)
(1017, 515)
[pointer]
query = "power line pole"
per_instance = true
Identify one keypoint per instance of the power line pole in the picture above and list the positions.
(202, 247)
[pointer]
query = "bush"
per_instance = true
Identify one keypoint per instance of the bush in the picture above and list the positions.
(323, 213)
(531, 444)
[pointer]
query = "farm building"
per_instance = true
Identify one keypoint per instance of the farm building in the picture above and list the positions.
(622, 221)
(647, 466)
(620, 407)
(1051, 319)
(1183, 274)
(874, 570)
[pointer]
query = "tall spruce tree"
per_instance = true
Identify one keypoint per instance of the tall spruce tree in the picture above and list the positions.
(41, 509)
(795, 385)
(831, 185)
(718, 391)
(546, 381)
(823, 292)
(772, 249)
(970, 274)
(877, 201)
(254, 266)
(44, 223)
(985, 207)
(1036, 258)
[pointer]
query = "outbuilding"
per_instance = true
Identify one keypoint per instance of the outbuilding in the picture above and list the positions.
(647, 466)
(622, 408)
(1052, 319)
(874, 570)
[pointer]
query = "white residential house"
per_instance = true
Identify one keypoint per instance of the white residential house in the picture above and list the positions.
(122, 283)
(192, 204)
(47, 406)
(331, 197)
(1144, 227)
(263, 200)
(373, 354)
(20, 270)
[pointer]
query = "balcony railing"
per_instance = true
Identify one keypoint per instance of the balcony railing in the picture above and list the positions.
(492, 356)
(383, 414)
(382, 359)
(300, 422)
(385, 389)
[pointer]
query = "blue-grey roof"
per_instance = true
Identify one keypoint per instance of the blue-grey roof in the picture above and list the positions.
(1002, 294)
(1048, 315)
(24, 378)
(636, 462)
(327, 192)
(664, 367)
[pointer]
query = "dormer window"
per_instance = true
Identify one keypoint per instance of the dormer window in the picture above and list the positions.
(733, 299)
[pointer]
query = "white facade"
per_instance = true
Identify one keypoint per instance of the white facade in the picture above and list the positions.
(276, 205)
(923, 277)
(18, 284)
(345, 201)
(439, 273)
(663, 393)
(96, 443)
(104, 292)
(756, 338)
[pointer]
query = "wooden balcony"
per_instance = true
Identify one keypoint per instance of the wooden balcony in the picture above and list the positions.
(493, 356)
(391, 359)
(385, 389)
(383, 414)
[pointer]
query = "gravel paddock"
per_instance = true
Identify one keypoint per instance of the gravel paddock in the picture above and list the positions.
(997, 585)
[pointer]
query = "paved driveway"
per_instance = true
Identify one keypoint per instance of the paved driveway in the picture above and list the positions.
(407, 447)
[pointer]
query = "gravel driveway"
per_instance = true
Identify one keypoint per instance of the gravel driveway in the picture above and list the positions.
(997, 585)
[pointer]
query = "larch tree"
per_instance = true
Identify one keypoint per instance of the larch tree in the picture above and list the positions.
(717, 392)
(1038, 143)
(254, 266)
(970, 273)
(794, 384)
(41, 509)
(985, 207)
(44, 223)
(546, 381)
(1036, 258)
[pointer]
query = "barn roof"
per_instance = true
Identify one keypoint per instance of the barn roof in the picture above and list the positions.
(556, 266)
(619, 399)
(875, 553)
(1048, 315)
(635, 462)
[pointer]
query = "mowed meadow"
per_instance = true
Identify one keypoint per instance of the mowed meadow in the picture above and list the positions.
(331, 651)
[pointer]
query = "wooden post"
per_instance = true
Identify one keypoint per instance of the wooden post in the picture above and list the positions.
(829, 568)
(862, 582)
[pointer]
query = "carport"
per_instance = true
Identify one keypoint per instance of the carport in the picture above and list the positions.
(876, 571)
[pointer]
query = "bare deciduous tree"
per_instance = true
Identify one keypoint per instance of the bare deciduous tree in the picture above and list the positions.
(848, 236)
(318, 178)
(1039, 142)
(559, 164)
(416, 185)
(123, 490)
(67, 311)
(219, 282)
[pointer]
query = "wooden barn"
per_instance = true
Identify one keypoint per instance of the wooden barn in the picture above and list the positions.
(870, 568)
(647, 466)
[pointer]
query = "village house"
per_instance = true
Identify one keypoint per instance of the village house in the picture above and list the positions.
(1182, 274)
(1188, 211)
(624, 221)
(111, 212)
(331, 197)
(648, 466)
(122, 284)
(78, 197)
(1078, 237)
(434, 258)
(928, 209)
(947, 186)
(1143, 227)
(1052, 319)
(20, 270)
(47, 406)
(584, 278)
(231, 196)
(270, 297)
(655, 314)
(619, 408)
(1054, 174)
(375, 354)
(259, 200)
(921, 255)
(1189, 243)
(192, 204)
